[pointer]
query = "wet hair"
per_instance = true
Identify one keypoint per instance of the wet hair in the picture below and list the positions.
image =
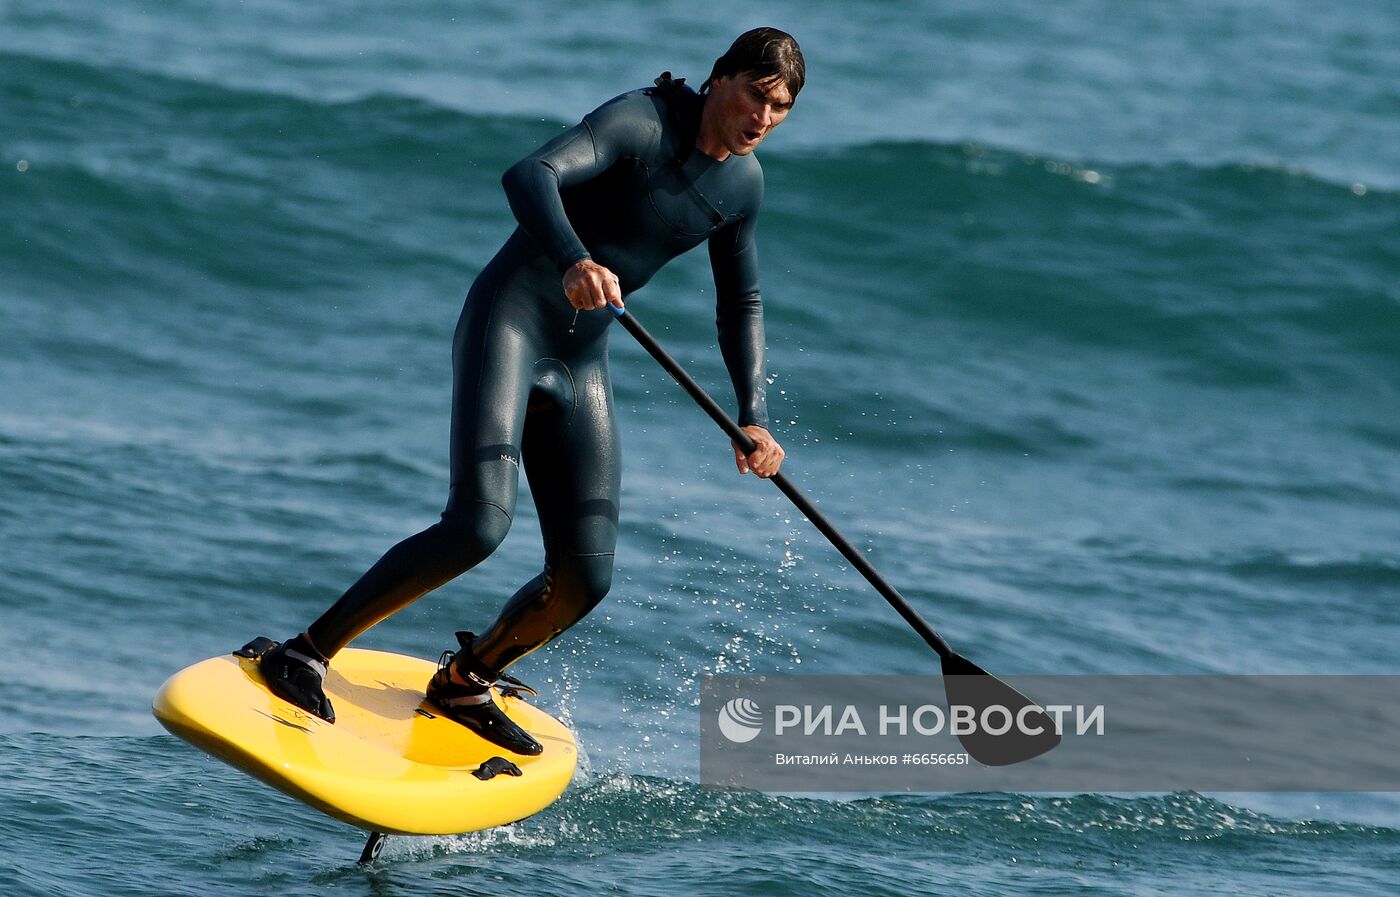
(762, 53)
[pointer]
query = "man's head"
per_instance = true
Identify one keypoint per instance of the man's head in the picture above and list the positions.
(750, 91)
(764, 54)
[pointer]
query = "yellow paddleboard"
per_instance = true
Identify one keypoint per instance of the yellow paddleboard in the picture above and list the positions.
(388, 764)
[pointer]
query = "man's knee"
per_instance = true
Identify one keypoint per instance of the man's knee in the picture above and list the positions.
(587, 577)
(474, 532)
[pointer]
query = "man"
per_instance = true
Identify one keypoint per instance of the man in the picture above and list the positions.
(642, 179)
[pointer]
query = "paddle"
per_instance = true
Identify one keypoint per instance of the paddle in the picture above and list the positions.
(965, 682)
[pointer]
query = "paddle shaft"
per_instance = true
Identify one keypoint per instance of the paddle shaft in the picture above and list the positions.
(746, 444)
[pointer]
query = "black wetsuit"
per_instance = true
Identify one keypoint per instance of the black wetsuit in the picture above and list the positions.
(627, 188)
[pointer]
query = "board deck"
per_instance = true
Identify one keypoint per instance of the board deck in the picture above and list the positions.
(388, 764)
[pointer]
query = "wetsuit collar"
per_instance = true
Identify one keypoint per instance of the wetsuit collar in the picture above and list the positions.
(684, 108)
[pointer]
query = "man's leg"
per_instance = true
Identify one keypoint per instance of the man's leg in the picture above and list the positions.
(492, 364)
(573, 461)
(491, 385)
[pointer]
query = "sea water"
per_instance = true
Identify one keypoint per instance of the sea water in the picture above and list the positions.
(1083, 323)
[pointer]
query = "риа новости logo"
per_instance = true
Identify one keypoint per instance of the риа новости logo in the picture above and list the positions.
(740, 720)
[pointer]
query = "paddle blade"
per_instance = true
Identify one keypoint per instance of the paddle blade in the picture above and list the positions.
(969, 685)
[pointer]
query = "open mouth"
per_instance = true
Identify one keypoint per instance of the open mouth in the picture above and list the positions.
(752, 136)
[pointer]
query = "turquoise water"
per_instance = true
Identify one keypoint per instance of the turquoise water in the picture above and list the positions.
(1083, 320)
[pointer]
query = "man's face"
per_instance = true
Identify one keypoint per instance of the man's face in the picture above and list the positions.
(748, 109)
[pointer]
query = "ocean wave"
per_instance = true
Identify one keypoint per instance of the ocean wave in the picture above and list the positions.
(76, 86)
(156, 797)
(624, 815)
(1241, 275)
(1365, 572)
(1362, 573)
(621, 809)
(1238, 266)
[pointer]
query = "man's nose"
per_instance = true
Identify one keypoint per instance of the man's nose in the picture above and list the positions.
(765, 115)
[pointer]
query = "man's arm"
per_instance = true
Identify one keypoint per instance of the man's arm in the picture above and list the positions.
(739, 317)
(739, 321)
(618, 128)
(532, 186)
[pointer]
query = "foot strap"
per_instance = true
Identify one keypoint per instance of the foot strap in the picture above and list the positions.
(474, 671)
(312, 662)
(465, 700)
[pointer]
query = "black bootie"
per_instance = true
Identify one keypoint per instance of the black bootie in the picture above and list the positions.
(296, 673)
(471, 705)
